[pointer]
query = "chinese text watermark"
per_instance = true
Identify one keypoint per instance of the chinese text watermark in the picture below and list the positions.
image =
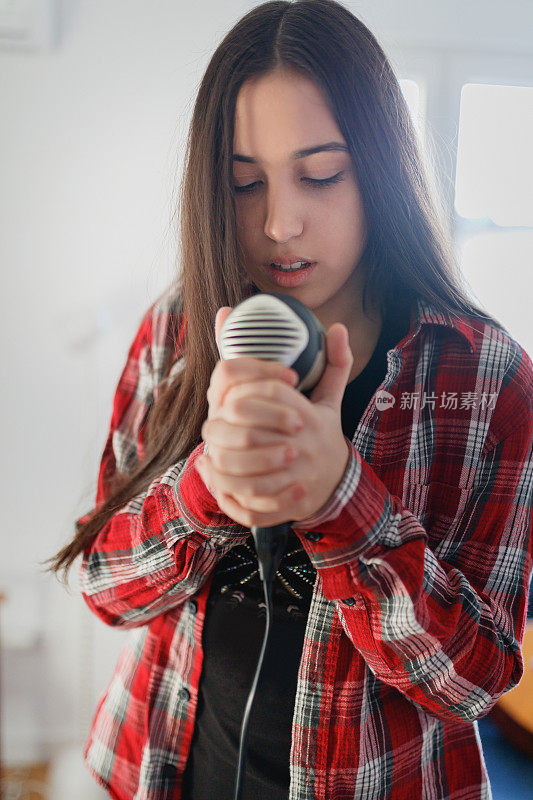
(448, 400)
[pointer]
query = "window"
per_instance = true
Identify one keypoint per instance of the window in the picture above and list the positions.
(494, 155)
(494, 201)
(411, 92)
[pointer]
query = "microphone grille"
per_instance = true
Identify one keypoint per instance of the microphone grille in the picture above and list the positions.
(263, 327)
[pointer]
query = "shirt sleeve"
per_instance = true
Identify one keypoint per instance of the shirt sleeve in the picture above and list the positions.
(159, 548)
(436, 610)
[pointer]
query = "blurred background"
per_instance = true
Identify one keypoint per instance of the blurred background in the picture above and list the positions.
(95, 102)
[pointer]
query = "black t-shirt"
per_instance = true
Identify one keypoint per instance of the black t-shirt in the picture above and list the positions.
(233, 633)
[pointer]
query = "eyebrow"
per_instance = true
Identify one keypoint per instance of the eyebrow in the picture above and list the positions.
(309, 151)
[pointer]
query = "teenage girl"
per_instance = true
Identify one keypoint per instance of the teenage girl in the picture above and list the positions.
(400, 604)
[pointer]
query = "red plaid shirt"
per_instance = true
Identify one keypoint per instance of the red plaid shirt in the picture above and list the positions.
(422, 561)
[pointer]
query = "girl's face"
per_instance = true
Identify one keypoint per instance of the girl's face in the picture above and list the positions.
(286, 216)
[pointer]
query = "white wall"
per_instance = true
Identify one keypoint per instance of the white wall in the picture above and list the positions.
(92, 132)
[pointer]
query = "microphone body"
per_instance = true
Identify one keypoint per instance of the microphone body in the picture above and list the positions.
(280, 328)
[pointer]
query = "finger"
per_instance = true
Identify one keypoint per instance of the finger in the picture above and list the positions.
(259, 461)
(269, 389)
(240, 437)
(272, 416)
(330, 388)
(271, 511)
(220, 318)
(246, 489)
(281, 501)
(233, 371)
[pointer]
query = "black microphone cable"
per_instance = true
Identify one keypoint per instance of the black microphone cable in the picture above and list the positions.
(272, 542)
(279, 328)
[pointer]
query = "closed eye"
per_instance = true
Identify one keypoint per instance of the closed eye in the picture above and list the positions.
(313, 183)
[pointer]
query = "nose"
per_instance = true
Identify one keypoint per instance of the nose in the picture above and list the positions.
(284, 215)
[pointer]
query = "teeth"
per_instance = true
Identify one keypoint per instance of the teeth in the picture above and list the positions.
(291, 268)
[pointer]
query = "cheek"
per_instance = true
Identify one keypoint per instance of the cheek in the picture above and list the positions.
(248, 219)
(249, 246)
(345, 221)
(246, 232)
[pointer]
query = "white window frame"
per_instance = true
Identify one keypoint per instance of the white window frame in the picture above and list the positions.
(441, 72)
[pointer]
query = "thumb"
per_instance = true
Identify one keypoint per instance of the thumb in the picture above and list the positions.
(339, 359)
(220, 318)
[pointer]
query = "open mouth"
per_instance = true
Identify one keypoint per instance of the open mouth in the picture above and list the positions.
(291, 269)
(293, 276)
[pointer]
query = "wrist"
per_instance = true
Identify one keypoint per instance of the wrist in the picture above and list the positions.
(343, 458)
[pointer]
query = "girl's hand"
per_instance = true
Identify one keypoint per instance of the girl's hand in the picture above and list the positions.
(261, 468)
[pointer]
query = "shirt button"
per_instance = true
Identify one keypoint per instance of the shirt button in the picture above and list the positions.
(313, 536)
(169, 770)
(184, 694)
(192, 605)
(348, 601)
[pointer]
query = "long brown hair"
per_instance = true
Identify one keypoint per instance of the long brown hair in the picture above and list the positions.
(408, 250)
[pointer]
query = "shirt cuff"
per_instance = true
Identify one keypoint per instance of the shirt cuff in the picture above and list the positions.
(357, 521)
(196, 504)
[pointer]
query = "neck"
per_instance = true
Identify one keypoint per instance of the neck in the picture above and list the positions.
(364, 329)
(364, 333)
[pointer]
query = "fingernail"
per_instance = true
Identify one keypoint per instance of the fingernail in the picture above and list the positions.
(290, 454)
(290, 376)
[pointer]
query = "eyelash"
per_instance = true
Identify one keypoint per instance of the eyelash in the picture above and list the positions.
(313, 183)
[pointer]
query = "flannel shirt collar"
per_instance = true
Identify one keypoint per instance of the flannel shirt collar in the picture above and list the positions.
(425, 313)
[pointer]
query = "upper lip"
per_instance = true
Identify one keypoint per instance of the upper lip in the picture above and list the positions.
(290, 260)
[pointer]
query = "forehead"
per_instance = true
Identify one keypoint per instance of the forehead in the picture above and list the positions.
(279, 113)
